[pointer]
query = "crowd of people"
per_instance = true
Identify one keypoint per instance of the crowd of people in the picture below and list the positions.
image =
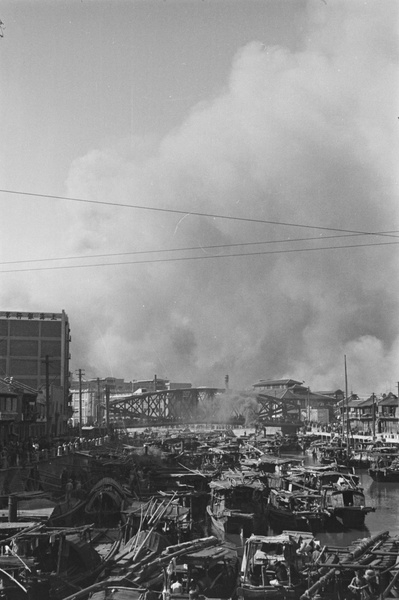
(18, 454)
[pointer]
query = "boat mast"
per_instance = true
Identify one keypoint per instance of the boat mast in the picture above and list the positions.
(347, 408)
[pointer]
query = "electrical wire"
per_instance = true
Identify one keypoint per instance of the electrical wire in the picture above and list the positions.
(189, 212)
(186, 249)
(202, 257)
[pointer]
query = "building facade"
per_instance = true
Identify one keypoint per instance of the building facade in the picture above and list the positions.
(289, 399)
(371, 416)
(34, 350)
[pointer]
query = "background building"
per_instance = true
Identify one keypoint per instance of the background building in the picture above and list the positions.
(34, 350)
(293, 399)
(89, 396)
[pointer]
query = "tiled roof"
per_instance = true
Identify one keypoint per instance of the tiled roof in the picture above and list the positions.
(263, 382)
(388, 401)
(5, 389)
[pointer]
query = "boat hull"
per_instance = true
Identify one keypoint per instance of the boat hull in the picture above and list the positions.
(288, 520)
(384, 475)
(269, 593)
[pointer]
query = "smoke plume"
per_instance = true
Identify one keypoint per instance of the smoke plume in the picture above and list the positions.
(303, 137)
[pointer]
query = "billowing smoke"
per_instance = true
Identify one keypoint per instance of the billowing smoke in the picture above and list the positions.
(240, 407)
(306, 137)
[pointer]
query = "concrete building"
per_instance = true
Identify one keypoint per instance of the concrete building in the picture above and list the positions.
(88, 398)
(267, 385)
(34, 350)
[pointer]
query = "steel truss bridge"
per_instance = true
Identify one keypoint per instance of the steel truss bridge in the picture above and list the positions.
(197, 405)
(273, 409)
(187, 405)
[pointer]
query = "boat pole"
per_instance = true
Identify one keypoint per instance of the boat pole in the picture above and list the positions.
(360, 549)
(347, 409)
(12, 508)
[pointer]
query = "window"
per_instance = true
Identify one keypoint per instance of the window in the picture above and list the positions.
(24, 328)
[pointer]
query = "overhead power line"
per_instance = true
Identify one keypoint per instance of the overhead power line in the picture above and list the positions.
(202, 257)
(184, 249)
(191, 213)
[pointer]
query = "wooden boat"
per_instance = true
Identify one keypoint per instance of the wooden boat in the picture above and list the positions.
(296, 510)
(213, 570)
(384, 466)
(333, 453)
(261, 575)
(49, 563)
(275, 470)
(28, 506)
(334, 493)
(68, 513)
(345, 506)
(238, 504)
(37, 506)
(142, 564)
(146, 544)
(105, 502)
(165, 514)
(377, 554)
(287, 443)
(116, 591)
(317, 477)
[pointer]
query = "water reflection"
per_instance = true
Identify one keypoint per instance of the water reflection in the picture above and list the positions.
(385, 498)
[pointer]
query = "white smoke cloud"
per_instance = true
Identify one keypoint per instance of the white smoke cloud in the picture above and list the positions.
(304, 137)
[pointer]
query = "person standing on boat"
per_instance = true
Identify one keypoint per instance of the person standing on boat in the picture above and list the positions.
(305, 552)
(64, 479)
(176, 586)
(372, 582)
(316, 554)
(151, 595)
(358, 587)
(79, 492)
(194, 590)
(68, 490)
(281, 572)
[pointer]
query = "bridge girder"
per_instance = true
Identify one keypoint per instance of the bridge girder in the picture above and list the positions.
(278, 409)
(196, 405)
(175, 405)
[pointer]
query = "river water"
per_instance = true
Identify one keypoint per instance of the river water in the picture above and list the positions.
(384, 497)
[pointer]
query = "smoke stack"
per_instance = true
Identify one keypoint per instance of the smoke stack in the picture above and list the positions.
(226, 381)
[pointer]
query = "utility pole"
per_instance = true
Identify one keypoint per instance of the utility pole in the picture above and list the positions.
(80, 402)
(48, 423)
(107, 407)
(97, 411)
(347, 409)
(373, 414)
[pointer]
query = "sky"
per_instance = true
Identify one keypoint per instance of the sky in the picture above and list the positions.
(206, 187)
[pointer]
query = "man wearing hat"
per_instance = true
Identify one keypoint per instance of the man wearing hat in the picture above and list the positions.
(372, 582)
